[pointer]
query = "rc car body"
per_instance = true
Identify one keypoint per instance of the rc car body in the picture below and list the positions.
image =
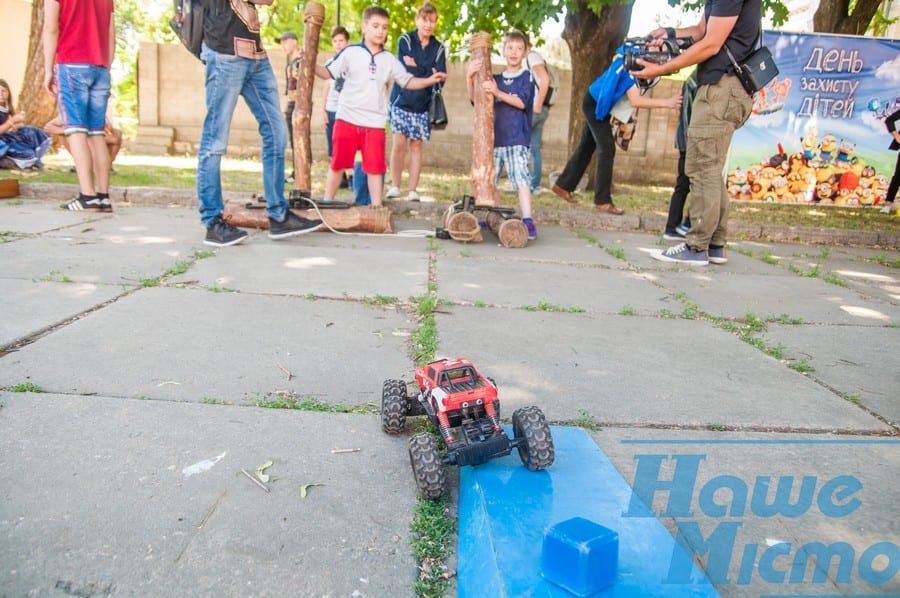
(464, 406)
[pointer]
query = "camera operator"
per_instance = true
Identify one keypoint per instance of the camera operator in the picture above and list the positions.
(720, 107)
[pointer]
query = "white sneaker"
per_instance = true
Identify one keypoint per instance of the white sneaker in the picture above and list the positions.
(413, 196)
(392, 192)
(887, 208)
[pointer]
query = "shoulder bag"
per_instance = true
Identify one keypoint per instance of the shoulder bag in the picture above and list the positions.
(758, 70)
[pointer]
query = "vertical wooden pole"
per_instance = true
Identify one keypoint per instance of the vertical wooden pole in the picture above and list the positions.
(313, 17)
(483, 133)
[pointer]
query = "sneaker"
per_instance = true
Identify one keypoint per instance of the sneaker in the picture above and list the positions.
(289, 180)
(413, 196)
(682, 254)
(532, 229)
(105, 204)
(673, 236)
(291, 226)
(537, 190)
(392, 193)
(717, 255)
(683, 230)
(221, 234)
(84, 204)
(887, 208)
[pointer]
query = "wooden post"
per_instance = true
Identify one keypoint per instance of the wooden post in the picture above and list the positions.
(313, 17)
(483, 129)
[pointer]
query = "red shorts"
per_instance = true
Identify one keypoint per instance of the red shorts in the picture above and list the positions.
(347, 139)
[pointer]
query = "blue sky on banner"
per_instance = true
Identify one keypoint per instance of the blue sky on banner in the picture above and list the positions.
(841, 85)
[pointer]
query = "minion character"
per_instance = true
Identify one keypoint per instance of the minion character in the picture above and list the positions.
(752, 173)
(824, 192)
(737, 177)
(757, 192)
(867, 172)
(779, 187)
(796, 162)
(827, 147)
(866, 197)
(808, 144)
(794, 182)
(845, 152)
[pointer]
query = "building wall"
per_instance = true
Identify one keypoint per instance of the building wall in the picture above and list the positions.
(14, 29)
(171, 109)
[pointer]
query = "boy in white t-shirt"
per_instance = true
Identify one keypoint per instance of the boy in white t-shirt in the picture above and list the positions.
(367, 69)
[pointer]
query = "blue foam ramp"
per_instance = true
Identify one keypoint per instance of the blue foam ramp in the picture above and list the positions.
(504, 510)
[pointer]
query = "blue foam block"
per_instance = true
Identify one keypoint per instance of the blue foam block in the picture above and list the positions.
(505, 511)
(580, 556)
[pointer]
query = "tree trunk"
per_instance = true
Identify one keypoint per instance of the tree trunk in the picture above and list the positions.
(592, 40)
(314, 16)
(38, 104)
(834, 16)
(483, 128)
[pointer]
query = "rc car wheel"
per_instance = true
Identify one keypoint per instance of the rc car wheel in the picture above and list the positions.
(536, 450)
(394, 406)
(427, 466)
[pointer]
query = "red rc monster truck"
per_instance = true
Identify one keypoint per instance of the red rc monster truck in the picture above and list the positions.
(463, 405)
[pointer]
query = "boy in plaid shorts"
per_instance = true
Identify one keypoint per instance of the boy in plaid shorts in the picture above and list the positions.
(513, 92)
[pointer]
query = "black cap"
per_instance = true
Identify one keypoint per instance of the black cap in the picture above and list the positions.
(286, 35)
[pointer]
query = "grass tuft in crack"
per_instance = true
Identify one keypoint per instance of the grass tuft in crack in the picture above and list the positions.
(431, 541)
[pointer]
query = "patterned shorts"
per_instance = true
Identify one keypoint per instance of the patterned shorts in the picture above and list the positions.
(412, 125)
(516, 159)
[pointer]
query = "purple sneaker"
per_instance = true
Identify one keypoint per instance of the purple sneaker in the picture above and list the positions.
(532, 229)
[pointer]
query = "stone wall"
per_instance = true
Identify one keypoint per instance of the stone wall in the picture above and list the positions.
(171, 109)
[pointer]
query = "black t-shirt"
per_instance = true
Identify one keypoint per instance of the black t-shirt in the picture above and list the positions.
(232, 27)
(741, 41)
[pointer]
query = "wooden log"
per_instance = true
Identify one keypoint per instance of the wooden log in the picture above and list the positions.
(512, 233)
(301, 119)
(483, 128)
(361, 219)
(463, 226)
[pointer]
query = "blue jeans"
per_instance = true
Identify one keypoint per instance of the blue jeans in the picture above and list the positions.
(83, 91)
(537, 131)
(228, 77)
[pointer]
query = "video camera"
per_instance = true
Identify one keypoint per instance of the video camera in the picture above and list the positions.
(639, 48)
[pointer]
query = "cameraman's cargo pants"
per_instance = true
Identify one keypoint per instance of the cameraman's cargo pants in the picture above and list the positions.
(718, 110)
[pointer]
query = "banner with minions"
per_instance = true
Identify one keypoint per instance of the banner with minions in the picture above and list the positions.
(817, 132)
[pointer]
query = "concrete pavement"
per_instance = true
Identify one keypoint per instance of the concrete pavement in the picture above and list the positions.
(122, 477)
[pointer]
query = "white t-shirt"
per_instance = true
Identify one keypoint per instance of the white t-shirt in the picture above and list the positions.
(364, 97)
